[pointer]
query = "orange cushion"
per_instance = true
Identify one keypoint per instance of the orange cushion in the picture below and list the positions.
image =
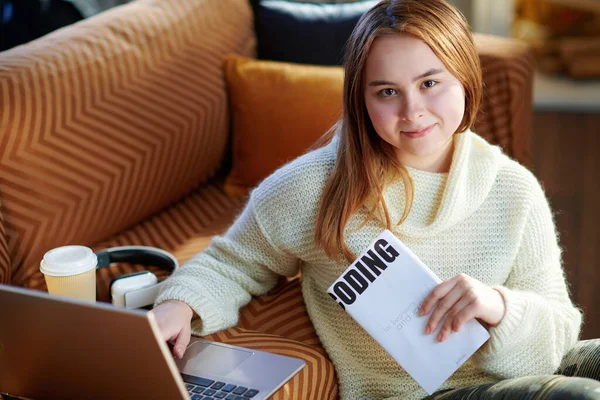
(278, 110)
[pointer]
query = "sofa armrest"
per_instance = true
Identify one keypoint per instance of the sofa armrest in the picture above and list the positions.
(506, 112)
(108, 121)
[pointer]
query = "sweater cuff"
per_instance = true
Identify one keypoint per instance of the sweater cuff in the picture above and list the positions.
(212, 319)
(504, 334)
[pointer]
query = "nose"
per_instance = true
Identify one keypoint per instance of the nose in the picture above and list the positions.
(412, 107)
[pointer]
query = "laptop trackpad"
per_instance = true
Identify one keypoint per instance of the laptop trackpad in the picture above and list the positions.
(201, 357)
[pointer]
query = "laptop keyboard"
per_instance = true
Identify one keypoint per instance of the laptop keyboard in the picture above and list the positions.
(207, 389)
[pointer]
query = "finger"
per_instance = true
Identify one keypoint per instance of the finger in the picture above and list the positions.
(437, 293)
(168, 333)
(450, 321)
(442, 308)
(483, 323)
(167, 330)
(183, 339)
(468, 313)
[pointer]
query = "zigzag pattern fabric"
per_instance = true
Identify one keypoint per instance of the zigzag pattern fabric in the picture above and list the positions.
(4, 255)
(183, 229)
(277, 322)
(317, 381)
(282, 312)
(96, 119)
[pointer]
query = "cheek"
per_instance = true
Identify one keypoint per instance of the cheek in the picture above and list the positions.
(382, 114)
(449, 104)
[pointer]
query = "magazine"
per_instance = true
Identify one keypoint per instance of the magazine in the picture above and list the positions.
(383, 291)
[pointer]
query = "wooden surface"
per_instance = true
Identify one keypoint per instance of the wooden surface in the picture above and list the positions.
(566, 151)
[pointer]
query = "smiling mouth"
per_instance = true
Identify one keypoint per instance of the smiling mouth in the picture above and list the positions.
(419, 133)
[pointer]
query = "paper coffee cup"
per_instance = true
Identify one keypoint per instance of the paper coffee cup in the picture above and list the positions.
(71, 271)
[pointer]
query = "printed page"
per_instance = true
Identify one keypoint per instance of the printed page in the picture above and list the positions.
(383, 290)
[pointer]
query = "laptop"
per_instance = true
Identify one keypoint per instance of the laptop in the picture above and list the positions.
(55, 347)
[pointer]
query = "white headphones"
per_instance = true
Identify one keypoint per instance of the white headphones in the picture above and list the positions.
(138, 289)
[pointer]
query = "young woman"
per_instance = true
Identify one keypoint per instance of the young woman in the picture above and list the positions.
(401, 158)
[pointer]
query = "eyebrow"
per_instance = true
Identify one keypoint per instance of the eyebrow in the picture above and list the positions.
(432, 71)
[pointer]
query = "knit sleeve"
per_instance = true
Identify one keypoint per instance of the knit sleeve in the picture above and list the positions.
(540, 323)
(242, 263)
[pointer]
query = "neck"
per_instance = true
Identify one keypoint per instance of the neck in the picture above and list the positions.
(438, 162)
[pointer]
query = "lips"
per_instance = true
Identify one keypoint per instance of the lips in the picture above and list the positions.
(418, 133)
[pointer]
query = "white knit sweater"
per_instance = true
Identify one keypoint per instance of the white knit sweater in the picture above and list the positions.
(488, 218)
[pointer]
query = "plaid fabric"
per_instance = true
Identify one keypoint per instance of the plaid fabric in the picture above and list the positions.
(578, 377)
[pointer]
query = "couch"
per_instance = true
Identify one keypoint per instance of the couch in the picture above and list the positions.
(116, 131)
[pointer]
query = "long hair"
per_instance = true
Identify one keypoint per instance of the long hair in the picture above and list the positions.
(365, 163)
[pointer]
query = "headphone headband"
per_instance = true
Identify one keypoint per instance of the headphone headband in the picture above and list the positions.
(138, 289)
(145, 255)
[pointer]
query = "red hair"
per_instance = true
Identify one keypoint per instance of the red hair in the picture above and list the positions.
(364, 164)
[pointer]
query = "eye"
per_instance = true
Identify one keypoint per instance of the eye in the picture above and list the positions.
(429, 84)
(387, 92)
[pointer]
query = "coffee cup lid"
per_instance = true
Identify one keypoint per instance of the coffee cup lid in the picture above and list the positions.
(68, 260)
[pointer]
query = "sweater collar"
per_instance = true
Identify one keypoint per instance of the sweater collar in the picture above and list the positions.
(475, 165)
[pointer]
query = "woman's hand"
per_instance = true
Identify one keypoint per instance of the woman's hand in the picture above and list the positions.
(461, 299)
(173, 318)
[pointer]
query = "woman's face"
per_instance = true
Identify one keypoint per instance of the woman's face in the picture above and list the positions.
(414, 102)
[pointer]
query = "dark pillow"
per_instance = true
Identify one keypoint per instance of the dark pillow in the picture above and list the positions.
(306, 33)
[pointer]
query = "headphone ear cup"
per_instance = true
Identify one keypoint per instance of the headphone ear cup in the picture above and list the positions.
(121, 285)
(123, 277)
(142, 286)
